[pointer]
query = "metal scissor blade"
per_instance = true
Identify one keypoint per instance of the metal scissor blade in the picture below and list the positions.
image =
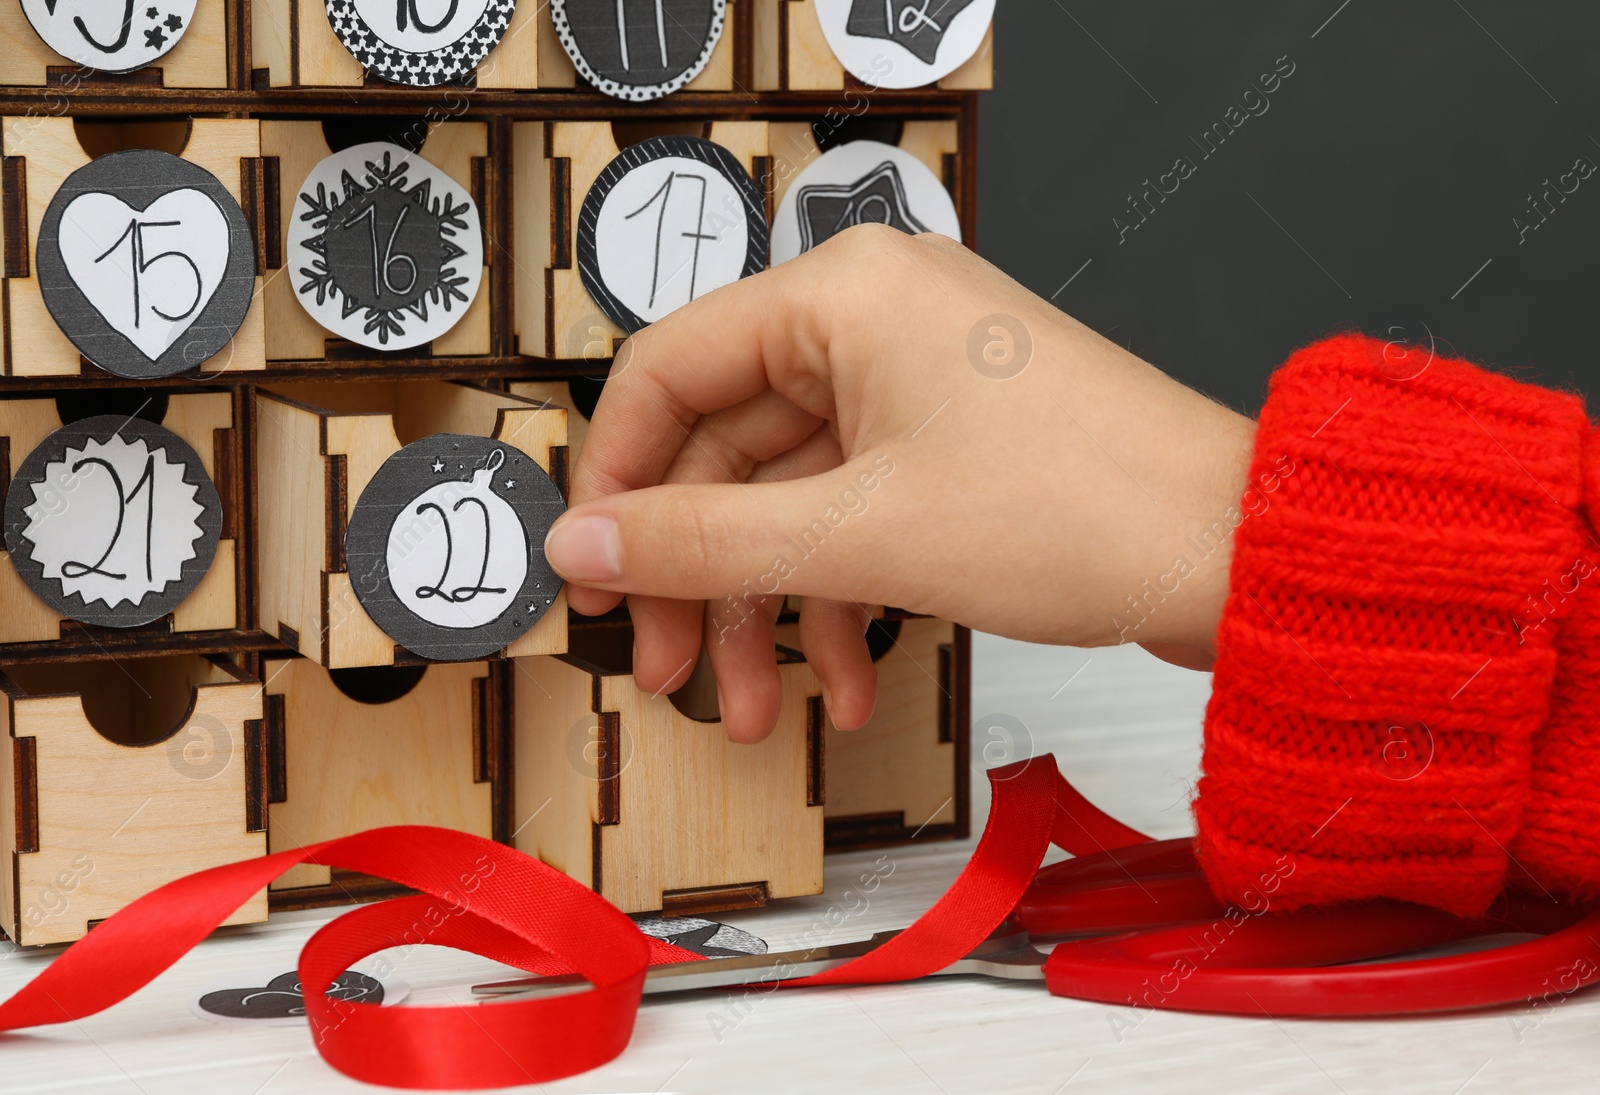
(751, 969)
(1007, 953)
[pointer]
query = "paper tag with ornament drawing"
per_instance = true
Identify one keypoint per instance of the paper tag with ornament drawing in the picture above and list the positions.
(385, 249)
(112, 521)
(445, 546)
(110, 35)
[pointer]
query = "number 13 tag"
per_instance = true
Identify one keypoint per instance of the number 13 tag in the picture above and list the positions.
(112, 521)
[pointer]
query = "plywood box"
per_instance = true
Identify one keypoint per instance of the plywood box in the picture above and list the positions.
(317, 447)
(118, 777)
(652, 809)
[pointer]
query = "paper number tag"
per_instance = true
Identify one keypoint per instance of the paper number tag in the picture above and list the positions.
(420, 42)
(667, 221)
(385, 249)
(639, 49)
(146, 263)
(859, 183)
(110, 35)
(112, 521)
(446, 546)
(904, 43)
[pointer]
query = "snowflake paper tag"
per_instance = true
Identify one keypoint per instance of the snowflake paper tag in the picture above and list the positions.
(386, 250)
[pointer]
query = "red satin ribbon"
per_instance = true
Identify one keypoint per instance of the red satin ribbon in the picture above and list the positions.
(479, 896)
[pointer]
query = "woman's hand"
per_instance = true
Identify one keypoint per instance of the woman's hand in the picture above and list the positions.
(888, 419)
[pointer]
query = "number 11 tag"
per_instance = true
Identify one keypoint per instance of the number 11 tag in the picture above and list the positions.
(112, 521)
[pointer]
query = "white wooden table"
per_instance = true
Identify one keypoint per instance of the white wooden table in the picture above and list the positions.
(1127, 729)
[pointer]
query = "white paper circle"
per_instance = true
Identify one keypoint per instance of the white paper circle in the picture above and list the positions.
(457, 554)
(857, 183)
(393, 263)
(110, 36)
(421, 26)
(904, 43)
(670, 231)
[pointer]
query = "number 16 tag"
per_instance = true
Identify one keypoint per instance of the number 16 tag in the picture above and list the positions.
(112, 521)
(385, 249)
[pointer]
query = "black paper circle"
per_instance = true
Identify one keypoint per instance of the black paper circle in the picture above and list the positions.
(680, 229)
(112, 521)
(422, 43)
(146, 263)
(639, 49)
(446, 546)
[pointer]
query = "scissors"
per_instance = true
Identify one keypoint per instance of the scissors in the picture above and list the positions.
(1138, 926)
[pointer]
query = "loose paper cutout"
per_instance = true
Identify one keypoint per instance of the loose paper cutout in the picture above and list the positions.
(639, 49)
(110, 35)
(420, 42)
(112, 521)
(858, 183)
(446, 546)
(904, 43)
(705, 937)
(272, 998)
(667, 221)
(386, 249)
(146, 263)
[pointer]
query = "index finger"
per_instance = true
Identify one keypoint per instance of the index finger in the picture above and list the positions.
(770, 330)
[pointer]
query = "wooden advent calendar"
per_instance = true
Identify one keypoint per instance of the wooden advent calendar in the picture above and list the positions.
(199, 397)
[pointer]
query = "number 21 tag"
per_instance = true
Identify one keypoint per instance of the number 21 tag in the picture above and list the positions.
(112, 521)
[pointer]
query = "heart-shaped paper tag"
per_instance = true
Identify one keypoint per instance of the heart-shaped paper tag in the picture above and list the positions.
(151, 272)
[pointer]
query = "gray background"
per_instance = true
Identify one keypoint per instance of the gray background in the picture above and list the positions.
(1396, 156)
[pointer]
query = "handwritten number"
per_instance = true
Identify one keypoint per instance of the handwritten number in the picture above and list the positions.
(698, 235)
(460, 594)
(407, 10)
(134, 234)
(622, 33)
(83, 28)
(381, 265)
(146, 483)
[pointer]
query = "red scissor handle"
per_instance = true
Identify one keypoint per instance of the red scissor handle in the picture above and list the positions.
(1168, 942)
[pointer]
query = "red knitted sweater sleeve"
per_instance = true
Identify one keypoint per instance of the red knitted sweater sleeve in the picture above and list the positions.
(1408, 665)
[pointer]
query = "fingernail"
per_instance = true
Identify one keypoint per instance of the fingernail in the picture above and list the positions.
(722, 708)
(585, 549)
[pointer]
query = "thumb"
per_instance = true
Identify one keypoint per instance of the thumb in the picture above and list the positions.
(705, 541)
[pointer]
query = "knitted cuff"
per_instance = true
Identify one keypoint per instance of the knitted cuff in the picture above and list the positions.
(1558, 849)
(1379, 678)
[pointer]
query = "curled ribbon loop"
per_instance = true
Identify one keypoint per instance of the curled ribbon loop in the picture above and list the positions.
(479, 896)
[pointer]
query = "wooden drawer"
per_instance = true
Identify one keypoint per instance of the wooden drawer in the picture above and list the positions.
(554, 165)
(118, 777)
(791, 53)
(904, 775)
(199, 60)
(40, 152)
(652, 809)
(291, 149)
(206, 421)
(354, 749)
(317, 448)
